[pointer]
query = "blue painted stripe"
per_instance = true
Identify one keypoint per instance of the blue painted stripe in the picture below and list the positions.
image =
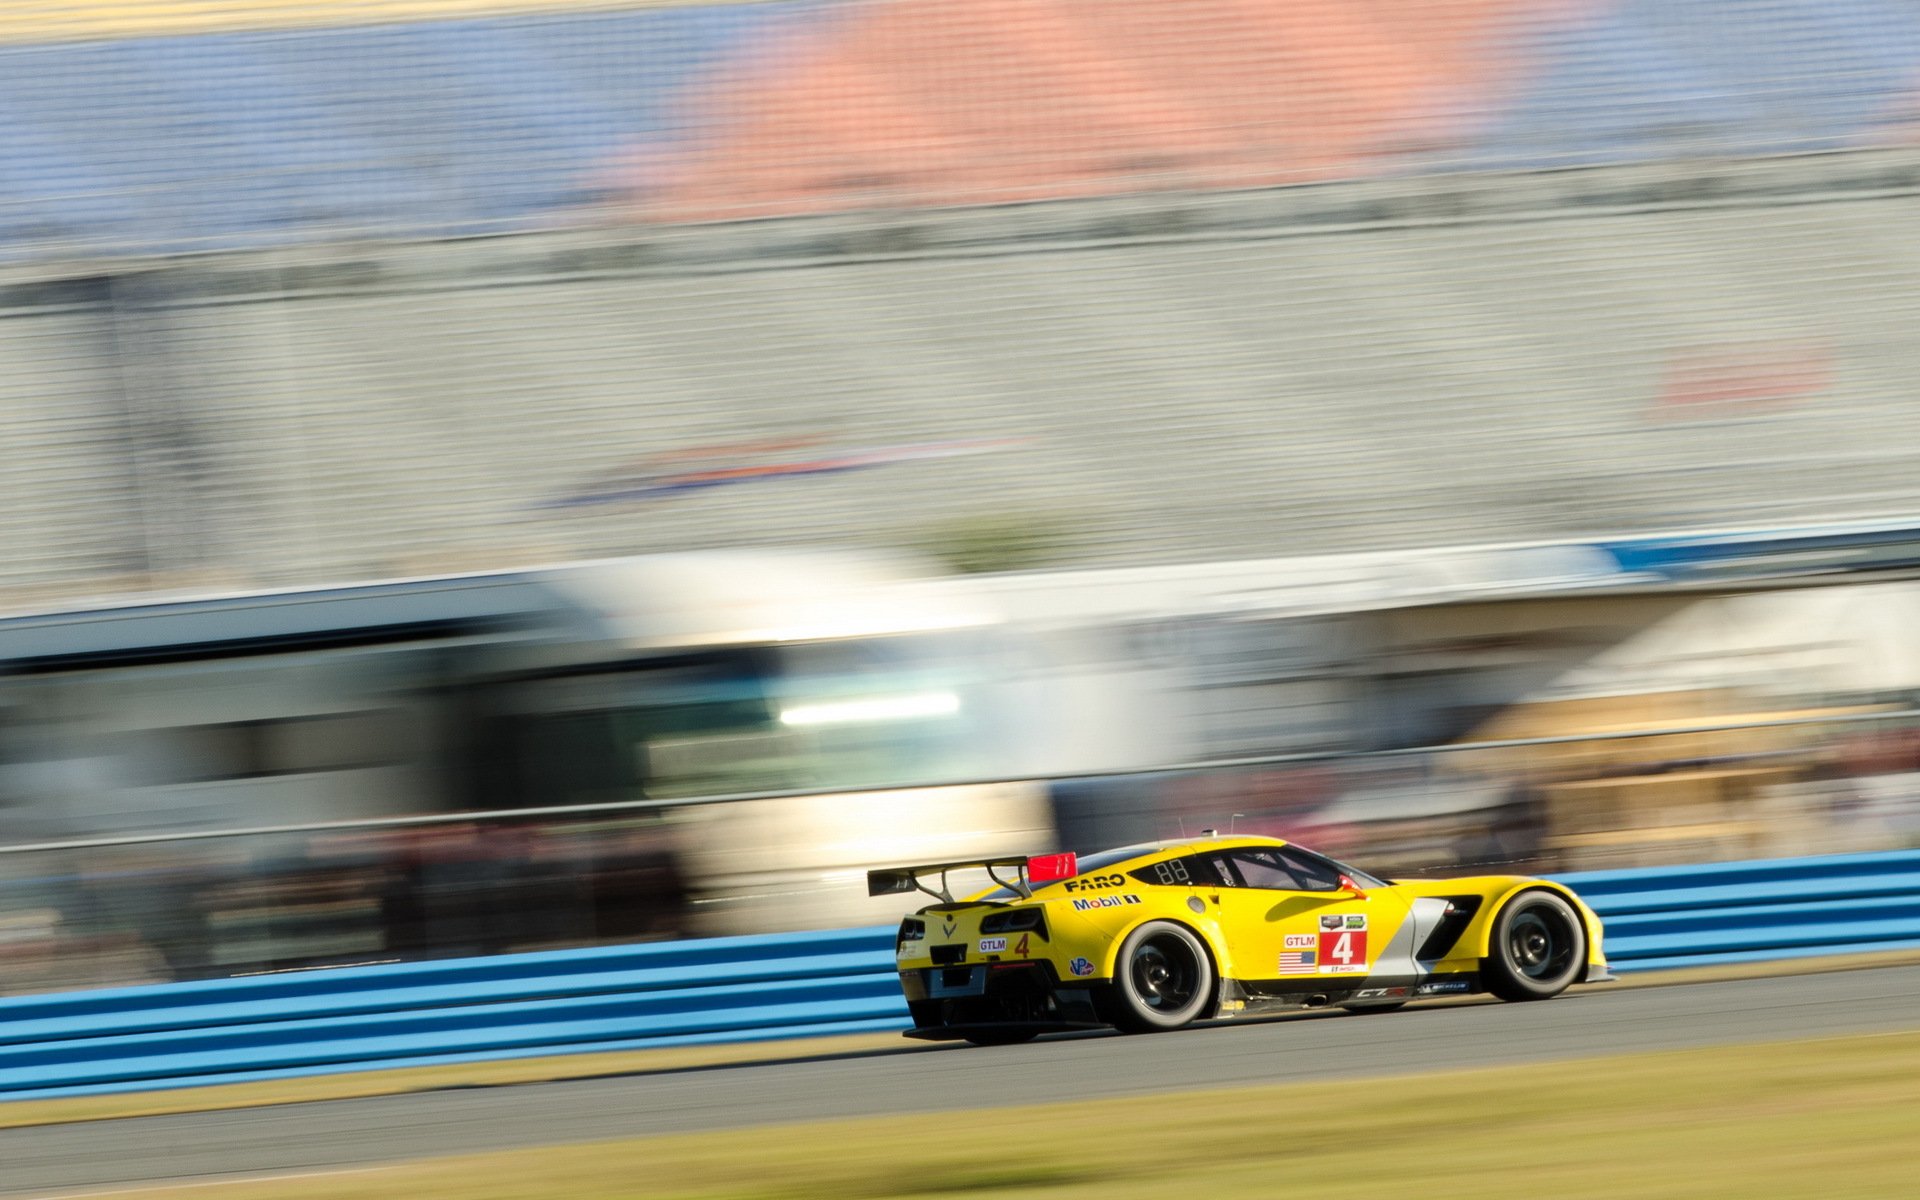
(366, 1001)
(476, 973)
(1765, 916)
(715, 1003)
(1699, 899)
(1813, 938)
(1827, 866)
(347, 1041)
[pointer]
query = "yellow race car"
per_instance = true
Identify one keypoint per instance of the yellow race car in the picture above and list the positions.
(1157, 936)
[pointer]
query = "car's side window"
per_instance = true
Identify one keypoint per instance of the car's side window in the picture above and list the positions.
(1263, 869)
(1207, 873)
(1222, 867)
(1210, 870)
(1315, 874)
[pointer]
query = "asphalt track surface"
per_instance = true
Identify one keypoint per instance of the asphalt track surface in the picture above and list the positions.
(99, 1156)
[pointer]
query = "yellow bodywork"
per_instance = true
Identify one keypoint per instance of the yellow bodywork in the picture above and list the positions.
(1252, 933)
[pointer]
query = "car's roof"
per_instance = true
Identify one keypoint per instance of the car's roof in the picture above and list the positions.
(1184, 846)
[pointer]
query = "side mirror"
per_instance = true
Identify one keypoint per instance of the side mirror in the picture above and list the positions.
(1348, 885)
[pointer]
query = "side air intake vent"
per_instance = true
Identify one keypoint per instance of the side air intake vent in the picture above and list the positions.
(1459, 914)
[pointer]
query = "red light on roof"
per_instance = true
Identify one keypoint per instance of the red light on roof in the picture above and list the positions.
(1045, 868)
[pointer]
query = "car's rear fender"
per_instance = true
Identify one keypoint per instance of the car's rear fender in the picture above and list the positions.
(1207, 931)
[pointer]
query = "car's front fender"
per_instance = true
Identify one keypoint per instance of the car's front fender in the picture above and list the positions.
(1477, 941)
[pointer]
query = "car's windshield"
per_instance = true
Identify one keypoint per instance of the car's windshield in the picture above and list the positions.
(1363, 878)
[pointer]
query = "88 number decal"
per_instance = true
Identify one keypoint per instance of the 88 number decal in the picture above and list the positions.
(1172, 873)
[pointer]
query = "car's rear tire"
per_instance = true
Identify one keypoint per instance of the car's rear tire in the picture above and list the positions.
(1000, 1037)
(1163, 979)
(1538, 948)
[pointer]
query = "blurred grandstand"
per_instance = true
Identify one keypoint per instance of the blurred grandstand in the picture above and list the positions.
(1147, 281)
(166, 126)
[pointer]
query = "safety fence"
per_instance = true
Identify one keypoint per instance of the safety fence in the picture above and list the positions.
(784, 986)
(457, 1010)
(1755, 911)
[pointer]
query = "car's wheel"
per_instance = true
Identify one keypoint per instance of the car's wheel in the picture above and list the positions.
(1000, 1037)
(1163, 980)
(1539, 947)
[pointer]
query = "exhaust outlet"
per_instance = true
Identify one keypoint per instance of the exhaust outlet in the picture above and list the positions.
(1317, 1000)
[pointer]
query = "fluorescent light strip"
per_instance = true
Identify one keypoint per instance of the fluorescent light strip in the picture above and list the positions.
(880, 708)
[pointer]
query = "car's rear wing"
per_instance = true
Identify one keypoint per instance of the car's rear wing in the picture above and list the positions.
(1028, 870)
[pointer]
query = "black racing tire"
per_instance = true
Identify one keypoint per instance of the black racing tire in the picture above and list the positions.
(1162, 980)
(1538, 948)
(1000, 1037)
(1396, 1006)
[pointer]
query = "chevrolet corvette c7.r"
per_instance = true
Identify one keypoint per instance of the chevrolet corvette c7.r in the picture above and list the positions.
(1155, 937)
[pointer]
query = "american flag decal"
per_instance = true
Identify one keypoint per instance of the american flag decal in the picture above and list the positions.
(1296, 962)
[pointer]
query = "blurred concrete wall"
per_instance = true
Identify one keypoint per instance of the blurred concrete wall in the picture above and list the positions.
(1180, 378)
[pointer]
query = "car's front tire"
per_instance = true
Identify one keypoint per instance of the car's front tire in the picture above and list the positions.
(1539, 948)
(1162, 980)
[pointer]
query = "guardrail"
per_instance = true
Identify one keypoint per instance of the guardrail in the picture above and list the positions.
(458, 1010)
(782, 986)
(1757, 910)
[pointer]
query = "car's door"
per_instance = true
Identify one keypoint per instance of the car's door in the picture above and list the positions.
(1293, 924)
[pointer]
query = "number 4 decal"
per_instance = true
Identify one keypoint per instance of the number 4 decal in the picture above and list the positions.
(1343, 950)
(1020, 947)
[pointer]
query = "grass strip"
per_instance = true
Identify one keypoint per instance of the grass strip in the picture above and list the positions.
(1831, 1118)
(359, 1084)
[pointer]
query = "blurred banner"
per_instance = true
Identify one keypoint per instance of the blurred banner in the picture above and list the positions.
(168, 908)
